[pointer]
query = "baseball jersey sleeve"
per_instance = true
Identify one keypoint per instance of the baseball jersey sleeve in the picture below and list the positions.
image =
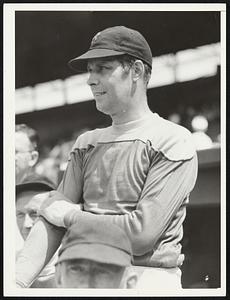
(72, 183)
(167, 186)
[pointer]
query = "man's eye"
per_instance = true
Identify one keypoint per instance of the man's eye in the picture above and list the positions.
(103, 68)
(99, 68)
(103, 272)
(76, 269)
(107, 67)
(20, 215)
(33, 215)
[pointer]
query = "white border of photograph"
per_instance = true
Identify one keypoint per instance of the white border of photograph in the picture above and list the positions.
(8, 147)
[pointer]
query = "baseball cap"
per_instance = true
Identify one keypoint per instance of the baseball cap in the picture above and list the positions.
(113, 41)
(97, 241)
(35, 182)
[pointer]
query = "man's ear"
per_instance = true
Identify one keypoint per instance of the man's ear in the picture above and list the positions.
(131, 280)
(34, 158)
(138, 70)
(58, 279)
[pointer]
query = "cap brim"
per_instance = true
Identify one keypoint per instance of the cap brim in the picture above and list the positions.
(33, 186)
(80, 63)
(96, 252)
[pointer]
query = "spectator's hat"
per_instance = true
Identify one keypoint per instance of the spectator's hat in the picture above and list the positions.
(97, 241)
(115, 41)
(35, 182)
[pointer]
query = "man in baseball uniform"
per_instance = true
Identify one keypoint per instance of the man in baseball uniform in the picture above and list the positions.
(138, 173)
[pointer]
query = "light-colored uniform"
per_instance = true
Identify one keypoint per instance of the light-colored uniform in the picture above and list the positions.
(138, 175)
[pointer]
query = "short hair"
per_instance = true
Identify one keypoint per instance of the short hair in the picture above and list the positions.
(128, 60)
(30, 132)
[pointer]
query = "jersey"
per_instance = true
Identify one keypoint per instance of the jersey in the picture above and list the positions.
(138, 175)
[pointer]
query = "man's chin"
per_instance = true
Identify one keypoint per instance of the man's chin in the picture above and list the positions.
(103, 109)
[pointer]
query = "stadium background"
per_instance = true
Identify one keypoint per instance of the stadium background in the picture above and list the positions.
(185, 83)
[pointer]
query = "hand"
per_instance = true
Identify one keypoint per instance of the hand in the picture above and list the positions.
(37, 200)
(54, 208)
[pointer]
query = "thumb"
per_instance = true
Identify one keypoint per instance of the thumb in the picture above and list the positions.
(52, 193)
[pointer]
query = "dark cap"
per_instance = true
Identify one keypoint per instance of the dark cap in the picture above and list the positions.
(100, 242)
(113, 41)
(35, 182)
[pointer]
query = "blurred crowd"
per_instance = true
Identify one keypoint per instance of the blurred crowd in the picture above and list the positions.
(53, 160)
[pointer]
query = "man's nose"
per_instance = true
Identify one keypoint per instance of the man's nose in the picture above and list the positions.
(28, 222)
(84, 281)
(93, 282)
(93, 79)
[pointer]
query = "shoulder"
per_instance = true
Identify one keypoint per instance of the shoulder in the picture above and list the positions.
(173, 140)
(88, 138)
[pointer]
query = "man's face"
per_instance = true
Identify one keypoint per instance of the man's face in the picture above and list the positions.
(84, 273)
(27, 206)
(111, 85)
(23, 155)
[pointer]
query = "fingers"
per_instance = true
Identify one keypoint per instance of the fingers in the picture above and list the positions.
(47, 202)
(55, 211)
(57, 196)
(53, 196)
(52, 193)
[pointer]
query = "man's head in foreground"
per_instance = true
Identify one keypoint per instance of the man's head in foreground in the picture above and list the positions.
(95, 256)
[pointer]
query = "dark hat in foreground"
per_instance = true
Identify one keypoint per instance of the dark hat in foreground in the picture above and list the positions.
(101, 242)
(35, 182)
(113, 41)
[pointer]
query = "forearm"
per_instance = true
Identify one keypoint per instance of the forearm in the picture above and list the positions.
(166, 188)
(142, 239)
(40, 246)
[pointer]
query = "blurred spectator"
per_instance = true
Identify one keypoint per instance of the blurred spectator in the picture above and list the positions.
(190, 113)
(184, 115)
(175, 118)
(61, 151)
(49, 167)
(201, 139)
(211, 111)
(55, 161)
(26, 151)
(29, 197)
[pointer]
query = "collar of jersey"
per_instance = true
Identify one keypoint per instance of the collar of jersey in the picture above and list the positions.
(132, 125)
